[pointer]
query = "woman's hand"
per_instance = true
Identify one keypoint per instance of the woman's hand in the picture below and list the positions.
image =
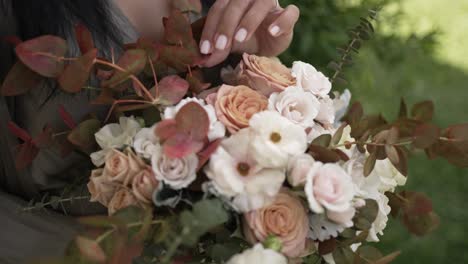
(254, 26)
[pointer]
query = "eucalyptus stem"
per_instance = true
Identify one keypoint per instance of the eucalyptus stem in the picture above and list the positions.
(175, 245)
(135, 224)
(43, 205)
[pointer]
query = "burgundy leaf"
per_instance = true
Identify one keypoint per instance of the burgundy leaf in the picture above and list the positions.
(41, 55)
(426, 135)
(27, 152)
(177, 29)
(181, 145)
(84, 38)
(19, 132)
(19, 80)
(193, 120)
(76, 74)
(205, 154)
(67, 117)
(172, 89)
(166, 128)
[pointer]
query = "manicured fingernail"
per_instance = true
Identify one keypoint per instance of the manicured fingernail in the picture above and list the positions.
(241, 35)
(221, 42)
(205, 47)
(274, 30)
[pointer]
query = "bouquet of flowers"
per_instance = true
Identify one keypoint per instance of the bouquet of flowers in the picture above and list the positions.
(270, 167)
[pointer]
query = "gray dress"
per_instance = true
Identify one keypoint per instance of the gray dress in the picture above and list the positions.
(30, 235)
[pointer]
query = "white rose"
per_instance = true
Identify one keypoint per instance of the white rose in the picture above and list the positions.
(298, 168)
(177, 173)
(114, 136)
(309, 79)
(146, 143)
(388, 176)
(236, 175)
(296, 105)
(258, 255)
(217, 129)
(329, 188)
(326, 114)
(276, 139)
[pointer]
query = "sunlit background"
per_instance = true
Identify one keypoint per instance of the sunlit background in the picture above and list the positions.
(419, 52)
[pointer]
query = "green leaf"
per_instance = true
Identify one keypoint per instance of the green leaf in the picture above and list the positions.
(343, 255)
(370, 164)
(42, 55)
(388, 258)
(338, 134)
(19, 80)
(366, 215)
(425, 135)
(423, 111)
(368, 253)
(392, 154)
(83, 135)
(403, 109)
(323, 140)
(76, 74)
(222, 252)
(133, 62)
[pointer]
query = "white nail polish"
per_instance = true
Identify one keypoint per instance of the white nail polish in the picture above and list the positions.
(221, 42)
(241, 35)
(274, 30)
(205, 47)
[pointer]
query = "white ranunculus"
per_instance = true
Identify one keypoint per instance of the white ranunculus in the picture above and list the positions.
(258, 255)
(309, 79)
(236, 175)
(146, 143)
(114, 136)
(326, 114)
(296, 105)
(276, 139)
(330, 189)
(217, 129)
(177, 173)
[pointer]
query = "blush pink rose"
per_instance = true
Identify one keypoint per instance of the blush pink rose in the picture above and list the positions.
(235, 105)
(100, 188)
(121, 168)
(286, 218)
(144, 184)
(266, 75)
(122, 198)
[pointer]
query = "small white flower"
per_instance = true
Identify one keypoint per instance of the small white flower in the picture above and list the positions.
(329, 188)
(321, 229)
(295, 104)
(217, 129)
(146, 143)
(258, 255)
(236, 175)
(276, 139)
(309, 79)
(177, 173)
(114, 136)
(326, 114)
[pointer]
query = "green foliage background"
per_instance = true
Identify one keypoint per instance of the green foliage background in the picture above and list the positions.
(419, 52)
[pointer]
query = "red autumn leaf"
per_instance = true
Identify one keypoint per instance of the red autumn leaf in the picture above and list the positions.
(90, 249)
(166, 128)
(67, 117)
(426, 135)
(205, 154)
(181, 145)
(133, 62)
(178, 30)
(41, 55)
(76, 74)
(327, 246)
(19, 80)
(172, 89)
(27, 152)
(193, 120)
(177, 57)
(188, 5)
(84, 38)
(457, 132)
(19, 132)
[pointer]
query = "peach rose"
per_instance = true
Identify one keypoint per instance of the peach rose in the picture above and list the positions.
(121, 167)
(266, 75)
(144, 184)
(122, 198)
(285, 218)
(235, 105)
(100, 188)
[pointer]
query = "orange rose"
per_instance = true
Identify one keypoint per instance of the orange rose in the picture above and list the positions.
(286, 219)
(144, 184)
(266, 75)
(235, 105)
(122, 198)
(100, 188)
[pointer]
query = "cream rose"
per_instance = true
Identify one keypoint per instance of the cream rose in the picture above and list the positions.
(286, 218)
(326, 113)
(329, 188)
(265, 75)
(235, 105)
(122, 198)
(258, 255)
(309, 79)
(144, 184)
(177, 173)
(100, 188)
(117, 166)
(296, 105)
(298, 168)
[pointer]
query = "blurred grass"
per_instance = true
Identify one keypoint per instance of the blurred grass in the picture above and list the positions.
(420, 52)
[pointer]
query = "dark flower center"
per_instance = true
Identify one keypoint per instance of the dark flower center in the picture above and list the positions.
(243, 168)
(275, 137)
